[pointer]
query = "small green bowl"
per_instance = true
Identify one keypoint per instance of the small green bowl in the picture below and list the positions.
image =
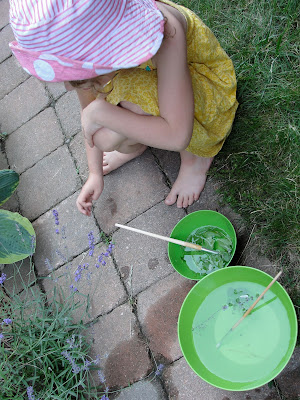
(258, 349)
(185, 227)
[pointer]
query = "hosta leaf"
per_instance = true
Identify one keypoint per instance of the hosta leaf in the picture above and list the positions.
(17, 237)
(9, 181)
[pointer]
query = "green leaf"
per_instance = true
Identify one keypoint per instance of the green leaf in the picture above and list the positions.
(17, 237)
(9, 181)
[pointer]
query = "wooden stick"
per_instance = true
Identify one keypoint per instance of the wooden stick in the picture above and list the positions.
(252, 306)
(167, 239)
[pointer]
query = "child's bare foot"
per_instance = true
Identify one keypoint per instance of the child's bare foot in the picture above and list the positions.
(114, 159)
(190, 181)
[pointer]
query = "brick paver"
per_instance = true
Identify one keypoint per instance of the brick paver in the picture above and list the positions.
(123, 352)
(67, 108)
(36, 143)
(4, 13)
(158, 309)
(139, 269)
(90, 278)
(22, 104)
(71, 240)
(143, 390)
(182, 383)
(41, 186)
(129, 192)
(6, 36)
(16, 75)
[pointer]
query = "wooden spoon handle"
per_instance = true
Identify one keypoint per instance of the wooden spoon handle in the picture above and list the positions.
(166, 238)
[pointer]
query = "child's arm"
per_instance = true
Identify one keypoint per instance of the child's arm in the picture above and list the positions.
(172, 130)
(93, 187)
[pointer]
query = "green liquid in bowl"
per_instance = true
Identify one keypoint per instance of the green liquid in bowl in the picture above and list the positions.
(255, 347)
(211, 238)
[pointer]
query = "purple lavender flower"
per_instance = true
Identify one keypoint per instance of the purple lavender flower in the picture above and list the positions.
(107, 253)
(30, 394)
(91, 243)
(225, 307)
(55, 214)
(73, 288)
(78, 273)
(75, 368)
(1, 336)
(2, 278)
(7, 321)
(104, 397)
(159, 369)
(101, 376)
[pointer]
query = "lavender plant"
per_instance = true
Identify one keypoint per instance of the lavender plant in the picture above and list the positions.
(43, 353)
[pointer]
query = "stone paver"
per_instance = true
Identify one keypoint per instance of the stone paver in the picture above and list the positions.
(56, 89)
(158, 309)
(6, 36)
(68, 111)
(143, 390)
(289, 379)
(130, 191)
(3, 160)
(22, 104)
(71, 240)
(123, 353)
(4, 14)
(34, 136)
(148, 257)
(41, 186)
(101, 284)
(16, 76)
(77, 149)
(183, 384)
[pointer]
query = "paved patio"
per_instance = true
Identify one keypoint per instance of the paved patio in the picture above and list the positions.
(137, 295)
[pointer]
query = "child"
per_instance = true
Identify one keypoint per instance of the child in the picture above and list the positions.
(147, 73)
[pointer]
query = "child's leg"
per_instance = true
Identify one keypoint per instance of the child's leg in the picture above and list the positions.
(190, 181)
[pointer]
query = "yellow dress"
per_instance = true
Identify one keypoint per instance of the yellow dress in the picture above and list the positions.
(214, 87)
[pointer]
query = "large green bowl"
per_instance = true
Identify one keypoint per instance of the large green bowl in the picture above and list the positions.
(185, 227)
(258, 349)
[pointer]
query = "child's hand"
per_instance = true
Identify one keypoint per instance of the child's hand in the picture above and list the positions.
(90, 191)
(89, 121)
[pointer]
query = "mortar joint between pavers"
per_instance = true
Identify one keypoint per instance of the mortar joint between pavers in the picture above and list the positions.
(160, 167)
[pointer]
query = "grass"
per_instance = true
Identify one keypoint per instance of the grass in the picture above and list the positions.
(259, 165)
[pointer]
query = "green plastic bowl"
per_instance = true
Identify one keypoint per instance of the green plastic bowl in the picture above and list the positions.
(261, 345)
(185, 227)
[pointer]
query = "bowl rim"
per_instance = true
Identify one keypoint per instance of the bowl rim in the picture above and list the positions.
(293, 337)
(170, 245)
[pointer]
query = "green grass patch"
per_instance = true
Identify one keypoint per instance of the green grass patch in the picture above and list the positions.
(258, 167)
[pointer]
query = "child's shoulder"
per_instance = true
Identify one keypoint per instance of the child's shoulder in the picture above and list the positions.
(172, 14)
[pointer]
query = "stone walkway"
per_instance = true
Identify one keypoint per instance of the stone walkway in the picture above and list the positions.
(137, 295)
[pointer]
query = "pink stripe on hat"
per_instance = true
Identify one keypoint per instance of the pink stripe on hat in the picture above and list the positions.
(64, 40)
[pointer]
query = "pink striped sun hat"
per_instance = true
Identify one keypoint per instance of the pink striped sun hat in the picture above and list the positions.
(65, 40)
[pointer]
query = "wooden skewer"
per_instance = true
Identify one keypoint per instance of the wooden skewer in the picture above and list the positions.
(167, 239)
(251, 307)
